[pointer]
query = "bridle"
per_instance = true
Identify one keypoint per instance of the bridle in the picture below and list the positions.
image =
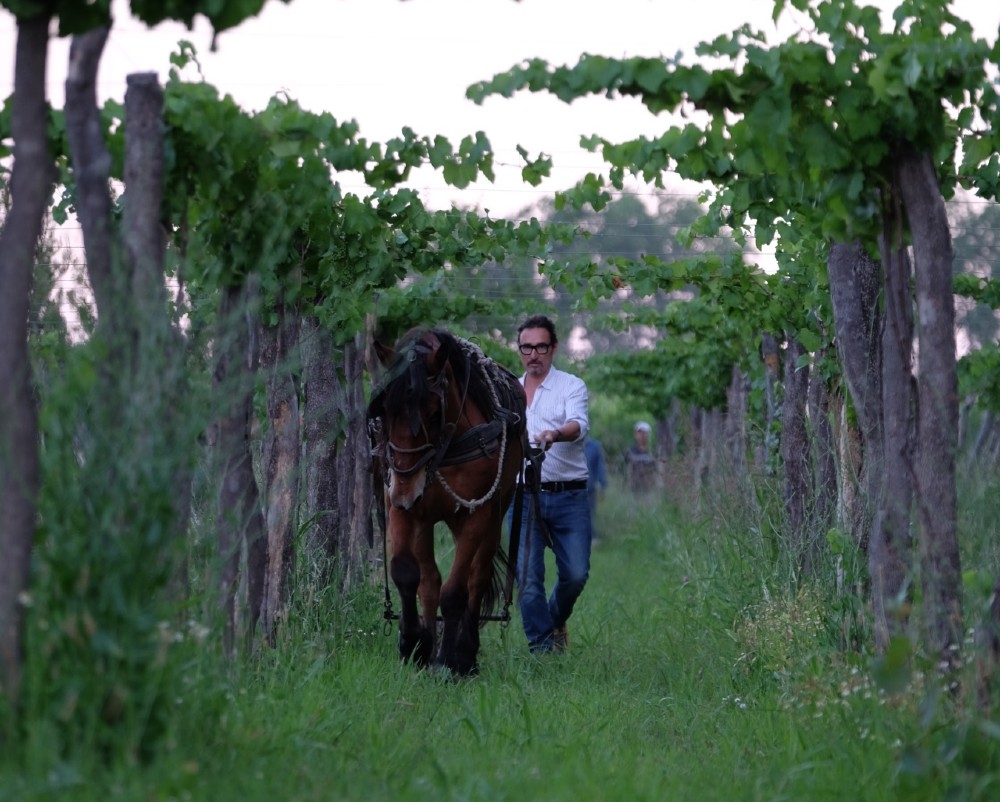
(448, 449)
(434, 453)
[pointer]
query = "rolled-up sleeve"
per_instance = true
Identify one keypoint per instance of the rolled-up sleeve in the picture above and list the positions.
(577, 405)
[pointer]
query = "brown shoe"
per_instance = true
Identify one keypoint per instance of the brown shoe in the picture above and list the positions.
(560, 639)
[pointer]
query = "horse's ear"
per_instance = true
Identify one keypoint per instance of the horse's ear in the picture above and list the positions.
(441, 353)
(384, 353)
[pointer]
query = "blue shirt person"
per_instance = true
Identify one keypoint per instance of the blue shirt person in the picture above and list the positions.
(598, 478)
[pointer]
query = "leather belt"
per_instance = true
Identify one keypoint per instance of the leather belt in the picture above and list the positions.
(559, 487)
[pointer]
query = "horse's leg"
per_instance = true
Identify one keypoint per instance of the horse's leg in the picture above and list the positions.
(454, 610)
(472, 571)
(416, 641)
(429, 589)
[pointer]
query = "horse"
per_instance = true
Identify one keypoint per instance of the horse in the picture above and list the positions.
(448, 434)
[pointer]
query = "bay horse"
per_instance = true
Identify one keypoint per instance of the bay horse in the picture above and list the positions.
(448, 432)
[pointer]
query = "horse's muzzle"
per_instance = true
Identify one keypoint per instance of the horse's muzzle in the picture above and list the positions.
(404, 493)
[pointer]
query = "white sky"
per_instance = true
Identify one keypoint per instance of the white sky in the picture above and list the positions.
(389, 64)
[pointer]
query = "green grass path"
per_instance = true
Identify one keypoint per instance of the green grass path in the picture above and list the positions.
(653, 701)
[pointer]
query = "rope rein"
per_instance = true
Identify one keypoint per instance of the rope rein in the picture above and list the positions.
(481, 365)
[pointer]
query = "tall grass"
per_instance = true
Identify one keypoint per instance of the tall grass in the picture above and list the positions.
(695, 671)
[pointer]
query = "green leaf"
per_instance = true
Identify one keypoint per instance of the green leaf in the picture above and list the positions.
(912, 68)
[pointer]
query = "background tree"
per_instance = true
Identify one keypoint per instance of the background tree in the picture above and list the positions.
(30, 183)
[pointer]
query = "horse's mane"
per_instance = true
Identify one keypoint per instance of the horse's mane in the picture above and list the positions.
(407, 384)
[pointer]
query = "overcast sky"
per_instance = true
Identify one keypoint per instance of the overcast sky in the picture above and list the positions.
(390, 64)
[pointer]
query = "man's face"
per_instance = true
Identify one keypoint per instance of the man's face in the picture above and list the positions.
(535, 363)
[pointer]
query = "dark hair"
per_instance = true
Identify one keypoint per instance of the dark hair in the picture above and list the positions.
(539, 322)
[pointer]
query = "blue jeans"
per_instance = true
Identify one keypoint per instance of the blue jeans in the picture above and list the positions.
(566, 515)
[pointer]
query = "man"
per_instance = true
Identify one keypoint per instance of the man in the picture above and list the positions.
(640, 465)
(557, 423)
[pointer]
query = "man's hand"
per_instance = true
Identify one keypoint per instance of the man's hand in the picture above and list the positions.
(547, 437)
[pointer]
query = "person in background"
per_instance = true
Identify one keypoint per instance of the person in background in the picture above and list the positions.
(558, 514)
(640, 466)
(597, 482)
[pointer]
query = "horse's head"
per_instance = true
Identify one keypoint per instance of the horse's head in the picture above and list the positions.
(413, 409)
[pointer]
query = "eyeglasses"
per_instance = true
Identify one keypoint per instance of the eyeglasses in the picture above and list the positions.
(540, 348)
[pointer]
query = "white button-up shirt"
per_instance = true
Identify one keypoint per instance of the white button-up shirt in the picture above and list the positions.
(560, 398)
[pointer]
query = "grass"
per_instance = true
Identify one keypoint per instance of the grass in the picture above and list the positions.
(693, 672)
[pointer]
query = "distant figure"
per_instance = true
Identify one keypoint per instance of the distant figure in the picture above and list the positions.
(640, 466)
(598, 480)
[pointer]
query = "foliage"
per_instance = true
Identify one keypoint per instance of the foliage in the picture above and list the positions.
(329, 252)
(796, 142)
(975, 229)
(77, 16)
(979, 370)
(790, 136)
(979, 377)
(780, 636)
(986, 290)
(670, 370)
(101, 630)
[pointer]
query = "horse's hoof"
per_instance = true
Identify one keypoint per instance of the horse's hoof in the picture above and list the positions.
(459, 669)
(417, 649)
(442, 672)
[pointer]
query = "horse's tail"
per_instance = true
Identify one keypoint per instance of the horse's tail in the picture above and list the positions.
(494, 596)
(499, 594)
